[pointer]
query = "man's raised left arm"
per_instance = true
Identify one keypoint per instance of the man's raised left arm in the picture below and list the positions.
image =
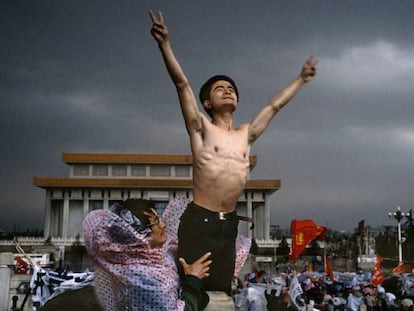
(277, 102)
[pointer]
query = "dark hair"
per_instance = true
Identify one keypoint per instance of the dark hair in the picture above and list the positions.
(206, 88)
(140, 208)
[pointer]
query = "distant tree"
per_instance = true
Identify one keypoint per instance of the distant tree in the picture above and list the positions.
(283, 248)
(77, 241)
(3, 234)
(313, 249)
(48, 240)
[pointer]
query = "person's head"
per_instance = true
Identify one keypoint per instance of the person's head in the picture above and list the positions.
(208, 86)
(407, 304)
(149, 223)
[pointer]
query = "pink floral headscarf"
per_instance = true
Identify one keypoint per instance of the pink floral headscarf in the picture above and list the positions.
(129, 274)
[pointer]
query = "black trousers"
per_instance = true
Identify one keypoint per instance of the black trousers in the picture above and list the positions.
(202, 231)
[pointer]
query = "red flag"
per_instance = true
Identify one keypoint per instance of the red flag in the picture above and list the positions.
(377, 276)
(304, 231)
(403, 267)
(328, 268)
(21, 266)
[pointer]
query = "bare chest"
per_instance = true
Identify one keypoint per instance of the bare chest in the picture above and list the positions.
(225, 149)
(226, 142)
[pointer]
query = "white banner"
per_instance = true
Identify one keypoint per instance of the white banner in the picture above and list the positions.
(295, 290)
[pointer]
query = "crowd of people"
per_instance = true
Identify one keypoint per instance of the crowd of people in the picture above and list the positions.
(347, 292)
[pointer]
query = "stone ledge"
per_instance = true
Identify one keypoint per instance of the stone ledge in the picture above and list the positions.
(219, 301)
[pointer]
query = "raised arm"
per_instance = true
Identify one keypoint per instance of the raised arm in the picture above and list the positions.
(186, 96)
(263, 118)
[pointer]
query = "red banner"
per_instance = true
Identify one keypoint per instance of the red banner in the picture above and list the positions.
(304, 231)
(403, 267)
(21, 266)
(377, 276)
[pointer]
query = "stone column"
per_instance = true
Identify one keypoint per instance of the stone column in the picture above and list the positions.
(260, 221)
(6, 259)
(85, 209)
(65, 216)
(266, 217)
(85, 205)
(46, 229)
(250, 213)
(105, 199)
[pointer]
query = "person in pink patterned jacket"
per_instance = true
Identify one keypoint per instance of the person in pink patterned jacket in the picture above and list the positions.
(134, 252)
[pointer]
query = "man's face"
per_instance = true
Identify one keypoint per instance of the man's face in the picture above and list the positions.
(157, 235)
(222, 95)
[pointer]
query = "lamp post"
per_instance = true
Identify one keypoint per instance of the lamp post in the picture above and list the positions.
(399, 215)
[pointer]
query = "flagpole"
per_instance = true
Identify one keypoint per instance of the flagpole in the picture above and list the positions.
(324, 254)
(324, 259)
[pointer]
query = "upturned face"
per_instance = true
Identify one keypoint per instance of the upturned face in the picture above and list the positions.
(222, 96)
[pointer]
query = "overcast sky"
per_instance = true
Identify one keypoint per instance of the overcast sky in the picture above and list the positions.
(87, 76)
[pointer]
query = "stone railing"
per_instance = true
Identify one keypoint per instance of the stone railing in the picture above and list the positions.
(267, 243)
(38, 241)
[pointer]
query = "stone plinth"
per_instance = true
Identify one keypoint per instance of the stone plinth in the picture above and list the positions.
(219, 301)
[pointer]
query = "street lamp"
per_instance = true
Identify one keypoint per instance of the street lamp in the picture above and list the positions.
(398, 215)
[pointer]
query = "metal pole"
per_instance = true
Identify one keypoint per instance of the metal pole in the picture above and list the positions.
(399, 215)
(399, 243)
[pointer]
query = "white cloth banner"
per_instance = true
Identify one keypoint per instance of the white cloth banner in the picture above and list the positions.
(295, 290)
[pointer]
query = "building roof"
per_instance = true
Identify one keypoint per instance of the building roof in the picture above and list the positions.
(148, 183)
(50, 182)
(115, 158)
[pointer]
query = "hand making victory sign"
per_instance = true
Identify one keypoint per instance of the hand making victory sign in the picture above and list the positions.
(309, 69)
(159, 29)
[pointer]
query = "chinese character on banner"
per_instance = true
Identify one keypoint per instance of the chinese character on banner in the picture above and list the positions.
(304, 231)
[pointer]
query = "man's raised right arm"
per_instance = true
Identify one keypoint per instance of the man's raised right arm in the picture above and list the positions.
(186, 96)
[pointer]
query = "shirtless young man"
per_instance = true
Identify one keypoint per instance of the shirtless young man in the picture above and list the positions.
(220, 160)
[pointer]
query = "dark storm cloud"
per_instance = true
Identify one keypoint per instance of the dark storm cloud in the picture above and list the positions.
(88, 77)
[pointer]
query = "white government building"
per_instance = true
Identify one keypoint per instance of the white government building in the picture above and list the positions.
(97, 180)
